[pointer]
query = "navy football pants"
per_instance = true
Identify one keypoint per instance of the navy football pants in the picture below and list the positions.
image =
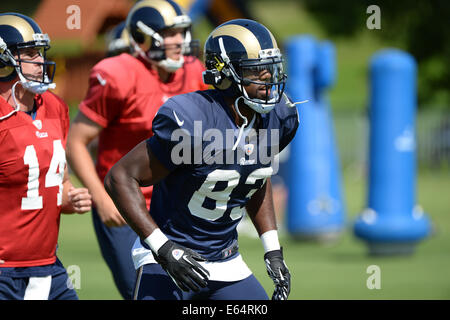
(155, 284)
(12, 288)
(115, 245)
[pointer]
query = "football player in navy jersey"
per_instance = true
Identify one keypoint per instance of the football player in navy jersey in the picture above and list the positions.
(210, 160)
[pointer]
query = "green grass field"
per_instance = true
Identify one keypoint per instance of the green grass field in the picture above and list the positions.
(319, 271)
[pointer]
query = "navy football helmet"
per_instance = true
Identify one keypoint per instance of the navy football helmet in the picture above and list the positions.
(236, 52)
(118, 40)
(17, 33)
(145, 22)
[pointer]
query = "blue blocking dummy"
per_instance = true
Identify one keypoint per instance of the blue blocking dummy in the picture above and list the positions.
(315, 208)
(392, 222)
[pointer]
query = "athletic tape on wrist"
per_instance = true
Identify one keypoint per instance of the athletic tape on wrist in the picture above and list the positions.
(156, 240)
(270, 241)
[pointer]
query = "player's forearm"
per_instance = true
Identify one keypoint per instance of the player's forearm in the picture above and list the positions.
(260, 209)
(129, 200)
(83, 166)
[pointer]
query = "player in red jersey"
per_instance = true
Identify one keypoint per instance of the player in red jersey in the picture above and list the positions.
(124, 95)
(34, 182)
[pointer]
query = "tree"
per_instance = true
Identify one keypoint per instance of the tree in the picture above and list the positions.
(420, 27)
(26, 7)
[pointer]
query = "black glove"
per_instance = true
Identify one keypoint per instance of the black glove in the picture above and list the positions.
(279, 273)
(181, 265)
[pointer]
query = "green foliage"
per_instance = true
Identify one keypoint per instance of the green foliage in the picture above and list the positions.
(419, 27)
(350, 91)
(26, 7)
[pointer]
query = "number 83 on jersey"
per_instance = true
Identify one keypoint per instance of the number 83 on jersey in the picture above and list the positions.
(222, 197)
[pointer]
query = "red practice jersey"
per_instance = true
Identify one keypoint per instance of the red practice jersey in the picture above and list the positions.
(32, 163)
(123, 97)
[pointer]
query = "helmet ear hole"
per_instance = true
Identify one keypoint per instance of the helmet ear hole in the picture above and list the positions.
(138, 37)
(7, 73)
(224, 84)
(216, 79)
(6, 70)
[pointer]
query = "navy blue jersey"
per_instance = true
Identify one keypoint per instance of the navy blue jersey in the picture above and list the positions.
(201, 201)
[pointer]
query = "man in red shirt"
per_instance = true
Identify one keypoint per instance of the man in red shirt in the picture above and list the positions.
(124, 95)
(34, 183)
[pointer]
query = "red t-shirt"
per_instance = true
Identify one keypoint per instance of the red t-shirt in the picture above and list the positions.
(123, 97)
(32, 163)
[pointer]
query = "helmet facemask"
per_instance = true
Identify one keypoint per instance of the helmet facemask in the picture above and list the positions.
(30, 82)
(268, 75)
(48, 67)
(245, 72)
(157, 51)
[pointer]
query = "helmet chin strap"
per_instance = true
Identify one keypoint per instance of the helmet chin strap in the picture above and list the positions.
(259, 107)
(167, 64)
(34, 86)
(37, 87)
(171, 65)
(242, 128)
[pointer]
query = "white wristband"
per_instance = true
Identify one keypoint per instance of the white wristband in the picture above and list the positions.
(270, 240)
(156, 240)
